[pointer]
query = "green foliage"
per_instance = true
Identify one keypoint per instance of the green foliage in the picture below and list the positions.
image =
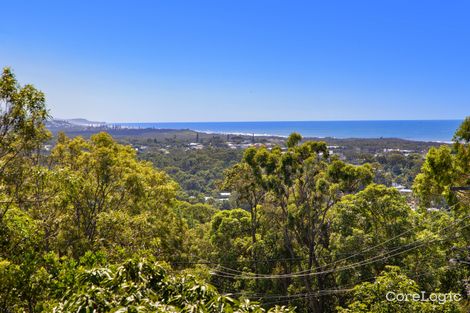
(112, 201)
(288, 195)
(372, 297)
(293, 140)
(436, 177)
(230, 231)
(443, 169)
(369, 218)
(195, 214)
(22, 130)
(196, 171)
(88, 227)
(463, 133)
(23, 113)
(398, 168)
(142, 286)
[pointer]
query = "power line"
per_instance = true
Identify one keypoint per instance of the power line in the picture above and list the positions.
(282, 298)
(231, 273)
(342, 259)
(374, 259)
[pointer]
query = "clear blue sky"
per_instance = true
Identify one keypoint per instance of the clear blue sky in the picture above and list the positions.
(242, 60)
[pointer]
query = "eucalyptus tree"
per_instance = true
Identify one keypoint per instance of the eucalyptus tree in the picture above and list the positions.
(22, 134)
(370, 225)
(296, 189)
(444, 179)
(443, 189)
(112, 201)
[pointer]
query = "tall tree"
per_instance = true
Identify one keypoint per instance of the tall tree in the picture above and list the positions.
(299, 187)
(111, 199)
(22, 134)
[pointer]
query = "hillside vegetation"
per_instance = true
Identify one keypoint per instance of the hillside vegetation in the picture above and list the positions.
(87, 226)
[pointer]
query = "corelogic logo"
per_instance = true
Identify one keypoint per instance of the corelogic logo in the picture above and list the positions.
(440, 298)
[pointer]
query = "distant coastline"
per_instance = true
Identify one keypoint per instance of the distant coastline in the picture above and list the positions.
(418, 130)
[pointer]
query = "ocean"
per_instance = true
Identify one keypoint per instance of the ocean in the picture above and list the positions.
(422, 130)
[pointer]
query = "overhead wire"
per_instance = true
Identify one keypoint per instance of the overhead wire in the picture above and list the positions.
(341, 259)
(374, 259)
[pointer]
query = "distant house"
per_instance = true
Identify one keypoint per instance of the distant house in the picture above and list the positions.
(231, 145)
(402, 189)
(140, 148)
(196, 146)
(397, 186)
(223, 196)
(405, 191)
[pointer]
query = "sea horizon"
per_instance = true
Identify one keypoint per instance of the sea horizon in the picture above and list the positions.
(419, 130)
